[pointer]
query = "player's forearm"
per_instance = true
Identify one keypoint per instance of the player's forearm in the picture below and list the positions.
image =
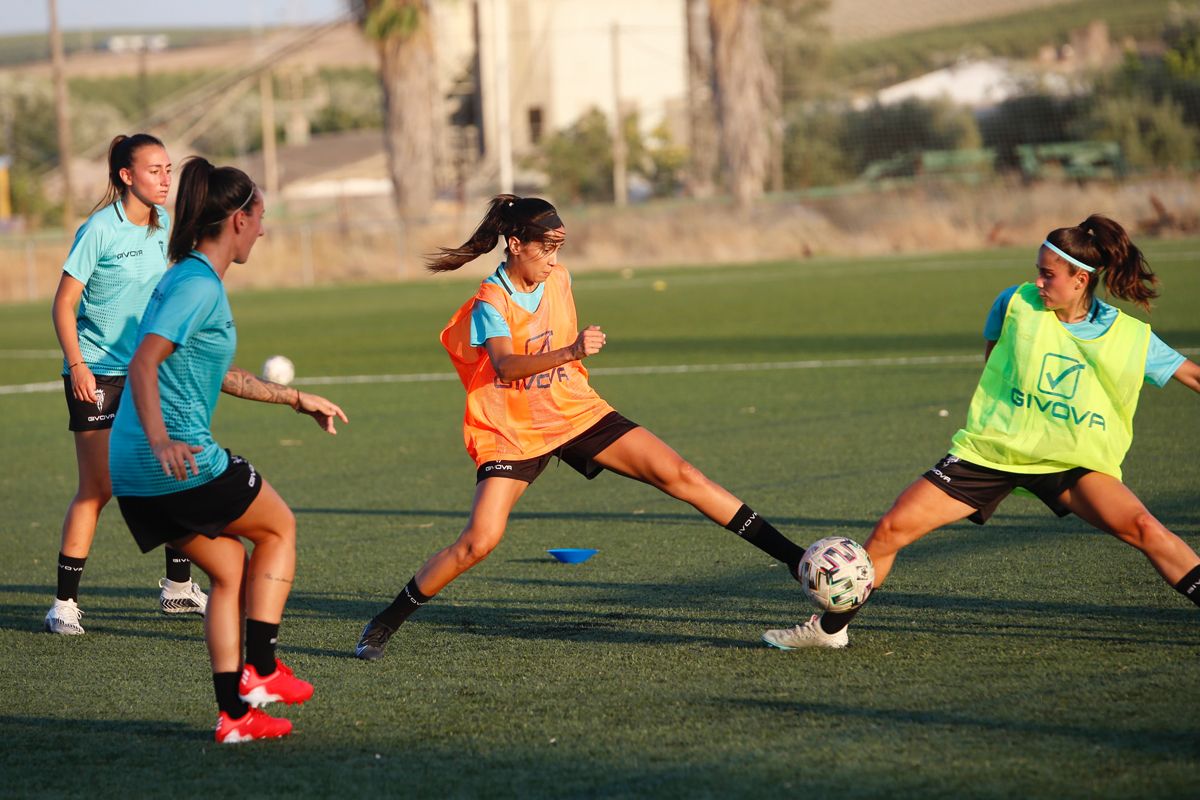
(514, 367)
(240, 383)
(1189, 375)
(143, 382)
(66, 328)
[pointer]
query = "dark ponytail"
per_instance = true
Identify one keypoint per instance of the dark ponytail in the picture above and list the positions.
(207, 196)
(527, 218)
(1102, 243)
(121, 151)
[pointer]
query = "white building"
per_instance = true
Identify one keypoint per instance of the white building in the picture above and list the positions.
(540, 65)
(979, 85)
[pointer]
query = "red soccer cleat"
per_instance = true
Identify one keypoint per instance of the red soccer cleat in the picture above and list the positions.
(254, 725)
(281, 686)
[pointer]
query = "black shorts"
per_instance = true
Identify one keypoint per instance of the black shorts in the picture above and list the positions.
(206, 509)
(983, 488)
(97, 416)
(579, 453)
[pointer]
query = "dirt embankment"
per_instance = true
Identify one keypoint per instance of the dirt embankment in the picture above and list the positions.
(360, 243)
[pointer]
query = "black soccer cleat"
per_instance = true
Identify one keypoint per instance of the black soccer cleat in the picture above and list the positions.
(374, 638)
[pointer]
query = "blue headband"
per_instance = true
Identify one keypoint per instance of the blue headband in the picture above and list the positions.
(1068, 257)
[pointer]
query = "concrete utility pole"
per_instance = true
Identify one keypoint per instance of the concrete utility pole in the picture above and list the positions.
(266, 93)
(62, 115)
(503, 99)
(620, 182)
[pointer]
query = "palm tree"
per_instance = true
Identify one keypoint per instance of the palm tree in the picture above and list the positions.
(702, 124)
(403, 33)
(747, 100)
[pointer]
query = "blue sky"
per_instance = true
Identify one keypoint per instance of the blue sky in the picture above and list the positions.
(30, 16)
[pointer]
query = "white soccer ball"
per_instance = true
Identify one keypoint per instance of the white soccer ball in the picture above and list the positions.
(837, 574)
(279, 369)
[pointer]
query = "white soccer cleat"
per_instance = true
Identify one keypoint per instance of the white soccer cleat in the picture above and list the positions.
(63, 618)
(806, 634)
(181, 598)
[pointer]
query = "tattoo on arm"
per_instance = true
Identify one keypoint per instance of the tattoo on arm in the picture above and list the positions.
(240, 383)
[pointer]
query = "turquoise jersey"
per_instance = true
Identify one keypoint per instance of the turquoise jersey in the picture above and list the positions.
(487, 322)
(189, 308)
(1161, 359)
(118, 264)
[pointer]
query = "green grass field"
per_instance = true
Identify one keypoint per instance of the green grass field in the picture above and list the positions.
(1032, 657)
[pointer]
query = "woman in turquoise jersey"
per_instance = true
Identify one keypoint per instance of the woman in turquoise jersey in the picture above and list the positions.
(119, 253)
(176, 485)
(1053, 415)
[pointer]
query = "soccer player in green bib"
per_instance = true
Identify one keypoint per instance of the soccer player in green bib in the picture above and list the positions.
(1052, 415)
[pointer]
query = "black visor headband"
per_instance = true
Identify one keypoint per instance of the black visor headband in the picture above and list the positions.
(530, 215)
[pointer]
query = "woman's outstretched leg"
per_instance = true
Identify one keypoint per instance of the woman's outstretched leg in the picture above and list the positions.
(642, 456)
(494, 501)
(920, 509)
(1111, 506)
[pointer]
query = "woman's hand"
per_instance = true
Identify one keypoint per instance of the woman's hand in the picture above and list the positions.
(589, 342)
(83, 383)
(175, 457)
(321, 410)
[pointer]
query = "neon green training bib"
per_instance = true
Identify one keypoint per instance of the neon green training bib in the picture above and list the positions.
(1048, 401)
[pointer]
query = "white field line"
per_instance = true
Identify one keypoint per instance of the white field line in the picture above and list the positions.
(31, 354)
(758, 366)
(672, 369)
(434, 377)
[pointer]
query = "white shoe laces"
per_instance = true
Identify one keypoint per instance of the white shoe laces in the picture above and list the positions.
(67, 614)
(806, 629)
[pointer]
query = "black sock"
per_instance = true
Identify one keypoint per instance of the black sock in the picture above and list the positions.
(1189, 587)
(225, 684)
(70, 570)
(834, 621)
(409, 600)
(260, 645)
(747, 524)
(179, 567)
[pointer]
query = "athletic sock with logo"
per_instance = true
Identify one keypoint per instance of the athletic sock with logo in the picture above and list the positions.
(747, 524)
(179, 566)
(225, 684)
(260, 645)
(409, 600)
(1189, 587)
(834, 621)
(70, 570)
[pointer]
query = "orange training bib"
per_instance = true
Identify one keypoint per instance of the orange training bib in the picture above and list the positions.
(529, 417)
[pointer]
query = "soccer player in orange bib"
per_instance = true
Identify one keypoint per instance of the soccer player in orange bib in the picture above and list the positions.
(519, 352)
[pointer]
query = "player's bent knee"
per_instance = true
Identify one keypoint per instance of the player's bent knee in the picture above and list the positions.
(471, 549)
(283, 527)
(1146, 533)
(95, 496)
(226, 577)
(888, 537)
(681, 478)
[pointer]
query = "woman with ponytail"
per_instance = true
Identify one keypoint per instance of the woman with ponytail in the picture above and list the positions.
(119, 253)
(176, 485)
(1052, 415)
(519, 353)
